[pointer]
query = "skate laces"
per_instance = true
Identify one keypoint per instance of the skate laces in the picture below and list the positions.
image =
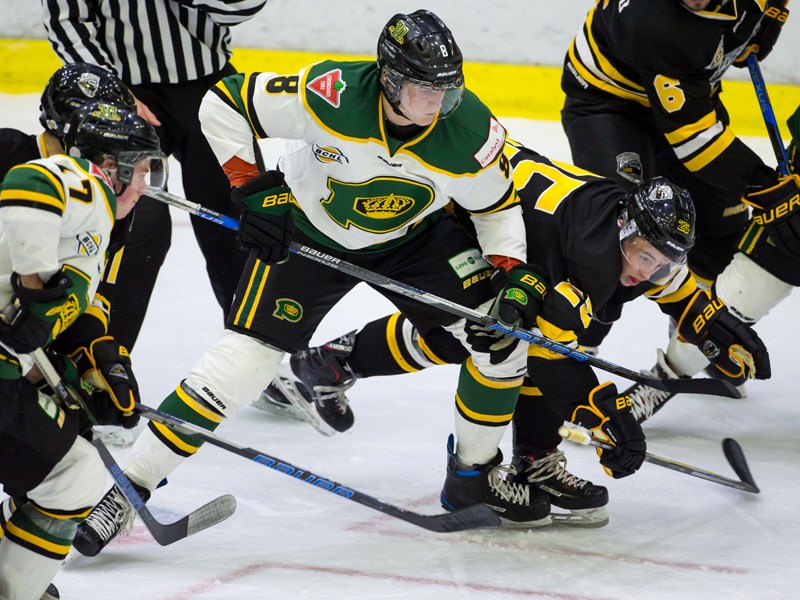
(515, 493)
(113, 515)
(333, 395)
(552, 465)
(645, 401)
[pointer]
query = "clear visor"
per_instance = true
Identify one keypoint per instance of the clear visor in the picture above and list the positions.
(647, 262)
(441, 98)
(143, 171)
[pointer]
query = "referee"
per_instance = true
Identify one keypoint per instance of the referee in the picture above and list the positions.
(169, 53)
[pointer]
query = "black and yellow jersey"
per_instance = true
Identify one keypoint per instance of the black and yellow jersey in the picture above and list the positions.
(571, 223)
(660, 55)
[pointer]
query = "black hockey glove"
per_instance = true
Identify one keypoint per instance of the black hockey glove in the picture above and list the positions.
(107, 366)
(777, 210)
(731, 346)
(518, 295)
(775, 15)
(99, 404)
(265, 226)
(609, 416)
(36, 315)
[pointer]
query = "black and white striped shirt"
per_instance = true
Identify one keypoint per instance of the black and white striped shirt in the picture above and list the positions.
(147, 41)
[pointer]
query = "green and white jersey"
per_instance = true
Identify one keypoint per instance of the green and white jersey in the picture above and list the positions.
(356, 185)
(55, 213)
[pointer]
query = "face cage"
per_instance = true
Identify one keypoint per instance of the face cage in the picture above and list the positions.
(453, 90)
(630, 232)
(154, 176)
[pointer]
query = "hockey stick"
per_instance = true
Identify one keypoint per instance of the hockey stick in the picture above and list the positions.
(730, 447)
(770, 121)
(204, 517)
(711, 387)
(478, 516)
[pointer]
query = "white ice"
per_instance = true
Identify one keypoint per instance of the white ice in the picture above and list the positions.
(670, 535)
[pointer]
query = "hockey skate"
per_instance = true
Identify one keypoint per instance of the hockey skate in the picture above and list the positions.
(112, 516)
(583, 503)
(112, 435)
(289, 396)
(518, 504)
(51, 593)
(647, 401)
(324, 371)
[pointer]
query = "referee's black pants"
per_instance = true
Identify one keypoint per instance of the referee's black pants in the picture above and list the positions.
(176, 106)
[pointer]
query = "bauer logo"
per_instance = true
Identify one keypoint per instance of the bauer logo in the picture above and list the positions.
(88, 243)
(493, 144)
(468, 262)
(288, 310)
(329, 154)
(329, 86)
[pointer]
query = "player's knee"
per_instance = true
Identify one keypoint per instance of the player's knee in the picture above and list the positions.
(76, 482)
(234, 372)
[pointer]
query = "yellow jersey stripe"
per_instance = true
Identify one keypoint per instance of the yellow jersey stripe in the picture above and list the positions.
(481, 417)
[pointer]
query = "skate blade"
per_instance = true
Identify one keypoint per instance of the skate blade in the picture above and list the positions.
(302, 405)
(114, 436)
(279, 409)
(586, 517)
(538, 524)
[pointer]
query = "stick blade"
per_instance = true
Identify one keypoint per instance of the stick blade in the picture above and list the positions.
(706, 387)
(735, 457)
(475, 517)
(210, 514)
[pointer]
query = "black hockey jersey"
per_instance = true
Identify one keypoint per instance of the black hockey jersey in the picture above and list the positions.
(573, 236)
(19, 147)
(661, 55)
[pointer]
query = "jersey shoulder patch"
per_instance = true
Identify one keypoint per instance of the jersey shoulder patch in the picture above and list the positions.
(343, 97)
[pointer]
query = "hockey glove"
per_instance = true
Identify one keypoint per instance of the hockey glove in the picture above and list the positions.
(609, 416)
(265, 226)
(98, 403)
(519, 293)
(775, 15)
(777, 210)
(107, 366)
(37, 315)
(731, 346)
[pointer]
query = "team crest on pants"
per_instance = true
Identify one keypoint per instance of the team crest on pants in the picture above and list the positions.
(288, 309)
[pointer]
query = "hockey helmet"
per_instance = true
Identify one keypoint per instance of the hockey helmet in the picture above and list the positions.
(420, 49)
(100, 130)
(662, 214)
(74, 85)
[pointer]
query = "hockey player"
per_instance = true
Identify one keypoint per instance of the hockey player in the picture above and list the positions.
(645, 77)
(599, 246)
(72, 86)
(56, 217)
(375, 151)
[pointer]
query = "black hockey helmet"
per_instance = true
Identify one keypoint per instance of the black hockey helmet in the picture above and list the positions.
(100, 130)
(74, 85)
(663, 214)
(420, 48)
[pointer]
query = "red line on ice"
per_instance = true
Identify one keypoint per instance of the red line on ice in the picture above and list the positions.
(250, 569)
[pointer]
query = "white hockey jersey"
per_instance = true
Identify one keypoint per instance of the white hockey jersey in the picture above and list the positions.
(358, 188)
(56, 214)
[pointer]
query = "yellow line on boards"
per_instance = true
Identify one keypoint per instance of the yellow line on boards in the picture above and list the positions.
(525, 91)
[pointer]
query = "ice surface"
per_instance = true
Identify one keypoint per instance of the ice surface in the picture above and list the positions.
(670, 536)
